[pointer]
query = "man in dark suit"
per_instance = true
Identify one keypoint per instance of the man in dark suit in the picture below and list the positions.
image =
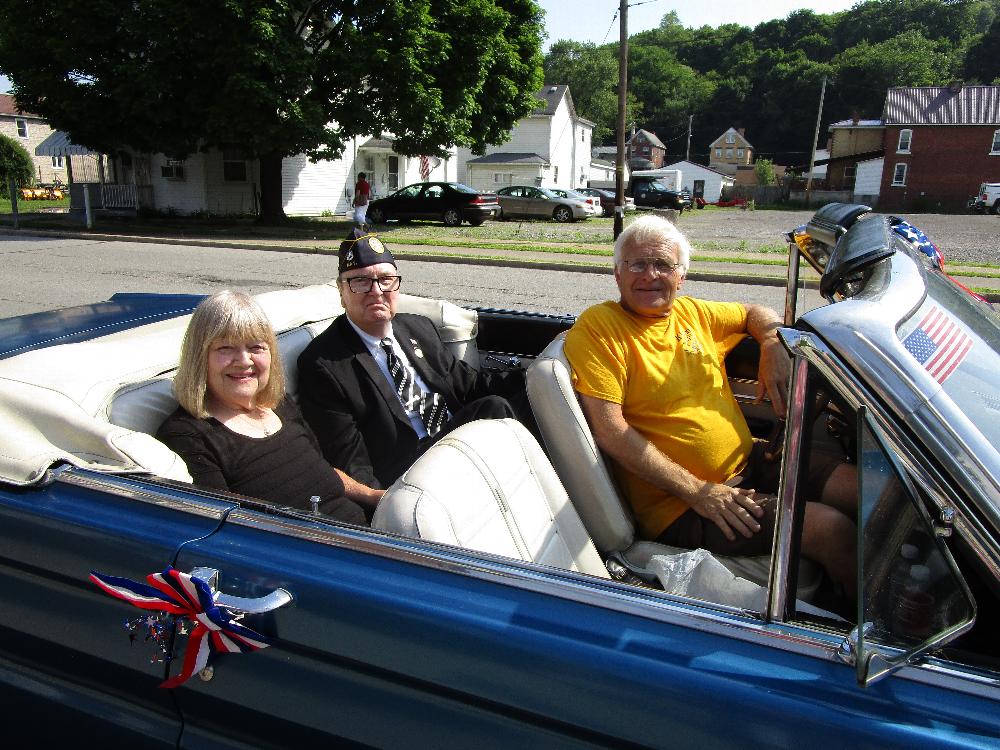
(378, 388)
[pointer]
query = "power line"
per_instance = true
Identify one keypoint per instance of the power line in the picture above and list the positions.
(613, 17)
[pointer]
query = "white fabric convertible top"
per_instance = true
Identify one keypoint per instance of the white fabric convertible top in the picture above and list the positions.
(95, 403)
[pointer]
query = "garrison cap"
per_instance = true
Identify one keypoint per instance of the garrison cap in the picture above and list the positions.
(362, 249)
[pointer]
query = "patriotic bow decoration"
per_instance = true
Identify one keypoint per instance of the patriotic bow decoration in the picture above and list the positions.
(183, 596)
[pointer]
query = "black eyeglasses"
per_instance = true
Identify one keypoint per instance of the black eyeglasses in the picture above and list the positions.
(364, 284)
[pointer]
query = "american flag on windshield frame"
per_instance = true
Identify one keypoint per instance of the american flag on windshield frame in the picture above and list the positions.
(938, 343)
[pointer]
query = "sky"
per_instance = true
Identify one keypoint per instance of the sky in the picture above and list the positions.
(591, 20)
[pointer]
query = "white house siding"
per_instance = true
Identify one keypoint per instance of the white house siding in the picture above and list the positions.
(489, 178)
(232, 197)
(714, 182)
(183, 196)
(868, 179)
(563, 171)
(601, 173)
(309, 188)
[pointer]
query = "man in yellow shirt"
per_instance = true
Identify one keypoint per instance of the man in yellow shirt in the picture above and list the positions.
(650, 372)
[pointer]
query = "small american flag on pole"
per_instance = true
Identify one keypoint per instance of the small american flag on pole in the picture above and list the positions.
(425, 168)
(938, 344)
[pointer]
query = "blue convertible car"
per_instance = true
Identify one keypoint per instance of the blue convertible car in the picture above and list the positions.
(500, 598)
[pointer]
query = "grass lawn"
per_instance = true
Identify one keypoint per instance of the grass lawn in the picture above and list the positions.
(32, 207)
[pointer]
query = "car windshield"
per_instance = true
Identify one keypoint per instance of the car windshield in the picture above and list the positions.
(459, 187)
(547, 193)
(957, 340)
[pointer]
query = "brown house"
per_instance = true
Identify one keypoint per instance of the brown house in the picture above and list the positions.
(730, 151)
(851, 141)
(645, 145)
(941, 142)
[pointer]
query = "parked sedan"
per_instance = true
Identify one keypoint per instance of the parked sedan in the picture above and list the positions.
(594, 203)
(450, 202)
(527, 201)
(500, 597)
(608, 200)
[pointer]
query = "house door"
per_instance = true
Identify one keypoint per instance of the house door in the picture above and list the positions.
(699, 189)
(392, 176)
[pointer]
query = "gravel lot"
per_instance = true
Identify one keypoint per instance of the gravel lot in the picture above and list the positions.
(962, 239)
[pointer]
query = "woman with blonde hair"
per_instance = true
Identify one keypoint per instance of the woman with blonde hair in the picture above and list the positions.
(235, 427)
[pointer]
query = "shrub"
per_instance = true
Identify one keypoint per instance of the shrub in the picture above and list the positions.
(15, 163)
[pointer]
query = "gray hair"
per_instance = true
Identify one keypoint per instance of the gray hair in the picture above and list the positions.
(224, 315)
(653, 230)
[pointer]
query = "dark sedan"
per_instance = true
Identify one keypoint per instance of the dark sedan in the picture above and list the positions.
(449, 202)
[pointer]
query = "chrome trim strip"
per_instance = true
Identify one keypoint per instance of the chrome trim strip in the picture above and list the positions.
(142, 490)
(778, 587)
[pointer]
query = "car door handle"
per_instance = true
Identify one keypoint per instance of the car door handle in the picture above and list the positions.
(252, 606)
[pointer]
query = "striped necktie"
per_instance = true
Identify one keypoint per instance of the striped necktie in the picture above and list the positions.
(431, 407)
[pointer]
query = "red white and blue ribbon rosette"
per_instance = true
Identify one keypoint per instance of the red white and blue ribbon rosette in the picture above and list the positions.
(215, 630)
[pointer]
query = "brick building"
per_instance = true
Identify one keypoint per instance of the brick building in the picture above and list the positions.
(645, 145)
(30, 130)
(941, 142)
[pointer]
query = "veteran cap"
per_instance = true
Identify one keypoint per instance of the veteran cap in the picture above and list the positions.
(362, 249)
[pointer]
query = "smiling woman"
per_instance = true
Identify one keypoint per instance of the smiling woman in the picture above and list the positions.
(235, 428)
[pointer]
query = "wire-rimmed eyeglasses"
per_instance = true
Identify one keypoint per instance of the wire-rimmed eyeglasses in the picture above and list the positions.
(364, 284)
(660, 266)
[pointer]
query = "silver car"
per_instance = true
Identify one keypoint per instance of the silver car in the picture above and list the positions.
(529, 201)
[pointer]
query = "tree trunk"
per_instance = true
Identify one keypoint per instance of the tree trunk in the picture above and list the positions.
(271, 209)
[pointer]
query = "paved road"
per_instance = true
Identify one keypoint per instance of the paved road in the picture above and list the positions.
(47, 273)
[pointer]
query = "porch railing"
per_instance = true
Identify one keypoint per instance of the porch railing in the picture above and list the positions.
(127, 196)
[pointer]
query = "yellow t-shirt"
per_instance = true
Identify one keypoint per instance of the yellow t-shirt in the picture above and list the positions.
(669, 376)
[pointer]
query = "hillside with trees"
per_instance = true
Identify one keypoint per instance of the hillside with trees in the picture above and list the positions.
(767, 79)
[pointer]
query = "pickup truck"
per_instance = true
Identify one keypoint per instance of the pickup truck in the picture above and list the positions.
(987, 199)
(649, 191)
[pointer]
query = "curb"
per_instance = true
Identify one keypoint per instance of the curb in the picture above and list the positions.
(402, 254)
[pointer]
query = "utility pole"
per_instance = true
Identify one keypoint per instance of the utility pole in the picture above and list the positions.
(812, 154)
(622, 97)
(687, 156)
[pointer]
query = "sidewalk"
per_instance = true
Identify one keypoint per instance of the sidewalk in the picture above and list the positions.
(763, 270)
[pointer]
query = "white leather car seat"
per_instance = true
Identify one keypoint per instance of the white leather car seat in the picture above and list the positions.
(586, 476)
(488, 486)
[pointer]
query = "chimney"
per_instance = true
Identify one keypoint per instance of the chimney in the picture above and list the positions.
(855, 116)
(742, 132)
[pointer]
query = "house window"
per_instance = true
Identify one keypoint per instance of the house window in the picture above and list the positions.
(905, 136)
(555, 175)
(899, 175)
(729, 153)
(22, 128)
(583, 136)
(234, 165)
(730, 137)
(850, 172)
(718, 153)
(57, 162)
(739, 153)
(995, 148)
(173, 170)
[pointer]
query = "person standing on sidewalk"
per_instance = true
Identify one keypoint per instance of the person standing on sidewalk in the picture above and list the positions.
(362, 192)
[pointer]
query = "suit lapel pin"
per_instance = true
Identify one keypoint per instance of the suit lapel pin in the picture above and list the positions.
(416, 349)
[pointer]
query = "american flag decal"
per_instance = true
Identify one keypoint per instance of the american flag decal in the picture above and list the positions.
(938, 343)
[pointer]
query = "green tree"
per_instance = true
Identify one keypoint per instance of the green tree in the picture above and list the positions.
(275, 78)
(15, 164)
(764, 170)
(982, 63)
(591, 73)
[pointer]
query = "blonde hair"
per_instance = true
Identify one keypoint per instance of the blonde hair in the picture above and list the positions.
(654, 230)
(235, 316)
